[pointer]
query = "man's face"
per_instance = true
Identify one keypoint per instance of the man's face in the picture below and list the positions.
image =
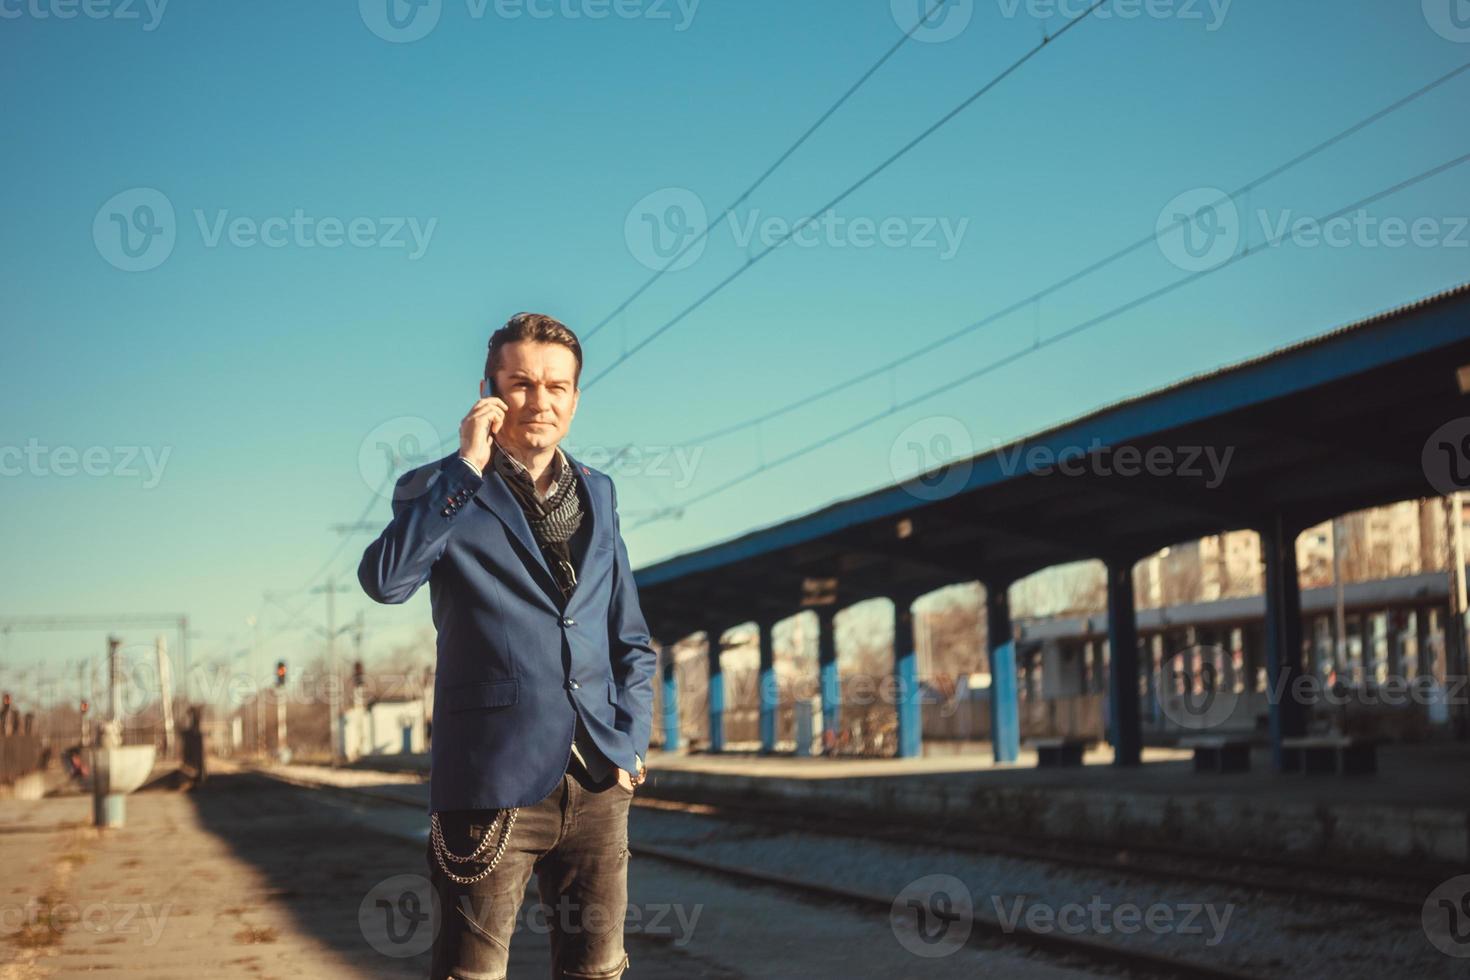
(537, 383)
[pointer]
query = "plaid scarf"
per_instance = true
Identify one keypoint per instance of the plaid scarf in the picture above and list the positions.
(553, 520)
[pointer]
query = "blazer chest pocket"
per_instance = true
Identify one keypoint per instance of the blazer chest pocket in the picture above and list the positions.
(491, 694)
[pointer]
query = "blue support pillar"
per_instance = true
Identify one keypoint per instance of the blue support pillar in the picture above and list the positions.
(827, 671)
(906, 679)
(769, 690)
(670, 699)
(1005, 714)
(716, 691)
(1124, 726)
(1283, 636)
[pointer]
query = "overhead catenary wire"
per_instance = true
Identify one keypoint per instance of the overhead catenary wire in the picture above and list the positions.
(293, 618)
(1072, 331)
(851, 189)
(766, 174)
(929, 347)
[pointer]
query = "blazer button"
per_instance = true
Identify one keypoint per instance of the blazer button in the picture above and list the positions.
(574, 685)
(568, 621)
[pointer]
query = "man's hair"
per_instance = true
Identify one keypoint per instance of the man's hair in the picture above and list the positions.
(537, 327)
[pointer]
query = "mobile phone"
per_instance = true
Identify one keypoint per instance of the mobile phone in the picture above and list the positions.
(487, 390)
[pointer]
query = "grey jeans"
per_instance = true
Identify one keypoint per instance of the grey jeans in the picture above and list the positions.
(576, 843)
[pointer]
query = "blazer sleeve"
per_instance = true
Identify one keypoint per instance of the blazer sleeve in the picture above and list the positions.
(426, 502)
(634, 661)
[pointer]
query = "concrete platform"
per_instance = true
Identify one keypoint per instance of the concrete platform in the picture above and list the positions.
(1417, 807)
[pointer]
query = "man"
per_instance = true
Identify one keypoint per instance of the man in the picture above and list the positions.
(543, 698)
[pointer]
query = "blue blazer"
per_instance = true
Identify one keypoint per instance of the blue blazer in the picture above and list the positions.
(516, 664)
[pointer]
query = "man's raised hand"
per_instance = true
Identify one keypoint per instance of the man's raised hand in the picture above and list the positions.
(478, 428)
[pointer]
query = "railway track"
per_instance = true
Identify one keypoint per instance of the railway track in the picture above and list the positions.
(1395, 889)
(985, 932)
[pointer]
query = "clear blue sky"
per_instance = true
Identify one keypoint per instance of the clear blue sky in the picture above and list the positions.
(267, 373)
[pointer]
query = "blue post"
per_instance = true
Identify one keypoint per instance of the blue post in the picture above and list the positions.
(716, 693)
(827, 671)
(906, 680)
(768, 687)
(1005, 711)
(670, 701)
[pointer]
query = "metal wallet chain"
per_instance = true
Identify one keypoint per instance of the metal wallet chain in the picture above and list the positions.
(442, 852)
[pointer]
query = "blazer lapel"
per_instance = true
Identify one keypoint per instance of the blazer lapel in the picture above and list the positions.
(591, 517)
(600, 526)
(496, 496)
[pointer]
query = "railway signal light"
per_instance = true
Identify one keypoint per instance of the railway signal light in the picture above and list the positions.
(280, 673)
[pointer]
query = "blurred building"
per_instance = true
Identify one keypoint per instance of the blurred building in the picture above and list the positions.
(1405, 538)
(390, 726)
